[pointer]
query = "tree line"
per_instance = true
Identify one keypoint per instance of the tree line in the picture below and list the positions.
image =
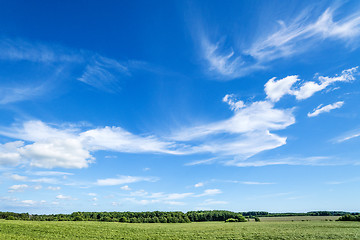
(349, 217)
(167, 217)
(129, 217)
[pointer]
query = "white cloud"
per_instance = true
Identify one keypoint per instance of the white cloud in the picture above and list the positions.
(310, 161)
(200, 162)
(233, 103)
(17, 177)
(53, 188)
(255, 183)
(324, 109)
(200, 184)
(139, 193)
(21, 50)
(64, 197)
(226, 64)
(65, 153)
(296, 36)
(69, 147)
(176, 203)
(209, 192)
(9, 155)
(120, 140)
(302, 30)
(18, 188)
(32, 202)
(347, 136)
(247, 131)
(276, 89)
(51, 173)
(123, 180)
(92, 194)
(174, 196)
(309, 88)
(104, 73)
(126, 188)
(256, 117)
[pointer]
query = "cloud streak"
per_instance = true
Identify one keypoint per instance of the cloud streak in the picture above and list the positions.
(291, 38)
(324, 109)
(124, 180)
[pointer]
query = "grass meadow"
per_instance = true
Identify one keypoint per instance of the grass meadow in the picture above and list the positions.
(204, 230)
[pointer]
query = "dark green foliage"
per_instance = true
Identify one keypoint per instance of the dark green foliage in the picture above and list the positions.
(168, 217)
(216, 215)
(349, 217)
(257, 219)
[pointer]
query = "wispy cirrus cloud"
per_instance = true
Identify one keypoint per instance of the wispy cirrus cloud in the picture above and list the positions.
(104, 74)
(306, 161)
(347, 136)
(290, 38)
(50, 65)
(23, 50)
(124, 180)
(323, 109)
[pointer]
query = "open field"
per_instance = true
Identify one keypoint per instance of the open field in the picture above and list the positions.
(204, 230)
(298, 218)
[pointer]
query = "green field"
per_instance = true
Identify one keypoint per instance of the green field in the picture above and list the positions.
(298, 218)
(205, 230)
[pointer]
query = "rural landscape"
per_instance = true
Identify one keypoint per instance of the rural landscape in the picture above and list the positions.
(191, 119)
(178, 225)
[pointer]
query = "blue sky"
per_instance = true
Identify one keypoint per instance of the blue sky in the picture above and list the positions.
(179, 105)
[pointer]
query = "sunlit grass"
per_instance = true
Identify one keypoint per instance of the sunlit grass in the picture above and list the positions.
(204, 230)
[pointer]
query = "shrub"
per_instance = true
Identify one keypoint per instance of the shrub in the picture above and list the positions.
(231, 220)
(257, 219)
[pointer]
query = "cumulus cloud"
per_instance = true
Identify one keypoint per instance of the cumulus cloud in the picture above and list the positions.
(126, 188)
(233, 103)
(323, 109)
(245, 134)
(9, 155)
(56, 146)
(18, 188)
(120, 140)
(200, 184)
(276, 89)
(65, 153)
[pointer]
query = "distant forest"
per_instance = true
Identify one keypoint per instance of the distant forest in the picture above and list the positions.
(168, 217)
